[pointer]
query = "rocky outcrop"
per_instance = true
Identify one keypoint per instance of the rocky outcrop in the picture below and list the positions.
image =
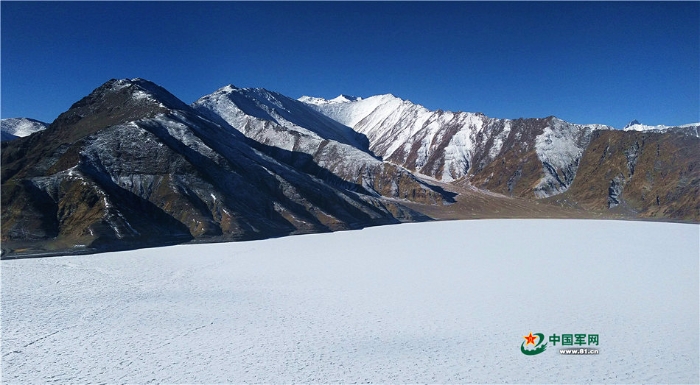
(642, 173)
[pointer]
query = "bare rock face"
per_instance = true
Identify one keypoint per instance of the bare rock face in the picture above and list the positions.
(648, 174)
(130, 166)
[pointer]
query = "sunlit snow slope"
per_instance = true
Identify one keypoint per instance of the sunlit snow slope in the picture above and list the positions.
(291, 132)
(692, 128)
(452, 145)
(444, 302)
(13, 128)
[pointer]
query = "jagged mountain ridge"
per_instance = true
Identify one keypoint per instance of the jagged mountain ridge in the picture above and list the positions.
(450, 146)
(690, 129)
(530, 158)
(130, 165)
(279, 122)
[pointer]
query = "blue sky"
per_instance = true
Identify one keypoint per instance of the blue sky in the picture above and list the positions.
(585, 62)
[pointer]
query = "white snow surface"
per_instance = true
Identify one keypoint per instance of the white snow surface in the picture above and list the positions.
(443, 302)
(20, 127)
(350, 112)
(644, 127)
(657, 128)
(254, 110)
(321, 101)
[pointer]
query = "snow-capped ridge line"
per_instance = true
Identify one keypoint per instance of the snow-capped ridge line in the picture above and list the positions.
(13, 128)
(637, 126)
(275, 120)
(447, 145)
(236, 107)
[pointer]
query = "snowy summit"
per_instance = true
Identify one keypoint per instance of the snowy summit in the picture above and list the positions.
(13, 128)
(635, 125)
(321, 101)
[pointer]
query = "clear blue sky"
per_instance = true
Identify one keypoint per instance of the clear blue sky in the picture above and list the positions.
(585, 62)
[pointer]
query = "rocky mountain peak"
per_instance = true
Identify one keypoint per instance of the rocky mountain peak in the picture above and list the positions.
(632, 123)
(142, 89)
(344, 99)
(227, 89)
(115, 102)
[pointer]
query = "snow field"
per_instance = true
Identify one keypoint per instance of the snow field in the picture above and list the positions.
(442, 302)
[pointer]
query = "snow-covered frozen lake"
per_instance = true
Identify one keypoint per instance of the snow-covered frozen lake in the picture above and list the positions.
(444, 302)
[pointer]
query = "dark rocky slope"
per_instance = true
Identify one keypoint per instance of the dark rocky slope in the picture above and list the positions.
(130, 166)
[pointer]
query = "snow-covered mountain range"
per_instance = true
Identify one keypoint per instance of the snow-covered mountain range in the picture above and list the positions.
(277, 122)
(636, 126)
(449, 146)
(131, 165)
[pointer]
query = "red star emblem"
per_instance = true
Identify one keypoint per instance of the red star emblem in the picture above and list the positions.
(530, 339)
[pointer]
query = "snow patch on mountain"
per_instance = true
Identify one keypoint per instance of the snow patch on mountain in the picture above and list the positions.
(637, 126)
(13, 128)
(251, 109)
(459, 149)
(149, 90)
(278, 122)
(498, 139)
(321, 101)
(344, 98)
(312, 100)
(350, 112)
(643, 127)
(559, 148)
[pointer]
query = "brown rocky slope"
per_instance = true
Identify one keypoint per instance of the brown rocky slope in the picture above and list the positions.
(641, 174)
